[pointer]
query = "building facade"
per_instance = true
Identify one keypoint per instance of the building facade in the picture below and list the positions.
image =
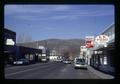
(45, 53)
(13, 52)
(30, 54)
(103, 55)
(53, 55)
(9, 45)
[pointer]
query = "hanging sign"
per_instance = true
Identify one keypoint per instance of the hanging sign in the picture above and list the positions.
(102, 39)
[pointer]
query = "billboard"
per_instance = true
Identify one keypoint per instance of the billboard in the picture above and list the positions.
(89, 41)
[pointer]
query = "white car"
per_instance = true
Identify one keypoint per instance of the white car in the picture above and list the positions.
(80, 63)
(67, 61)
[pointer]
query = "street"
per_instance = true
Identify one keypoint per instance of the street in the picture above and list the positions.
(50, 70)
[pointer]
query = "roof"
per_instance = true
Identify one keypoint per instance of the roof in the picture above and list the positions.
(5, 29)
(109, 27)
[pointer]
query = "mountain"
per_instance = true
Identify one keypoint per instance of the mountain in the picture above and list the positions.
(62, 46)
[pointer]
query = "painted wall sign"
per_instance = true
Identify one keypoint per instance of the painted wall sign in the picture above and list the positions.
(10, 42)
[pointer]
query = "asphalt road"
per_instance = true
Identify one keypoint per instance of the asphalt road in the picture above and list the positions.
(50, 70)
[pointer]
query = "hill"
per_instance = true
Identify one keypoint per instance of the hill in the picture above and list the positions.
(69, 47)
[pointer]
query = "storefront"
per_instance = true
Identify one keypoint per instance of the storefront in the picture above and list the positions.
(9, 46)
(29, 53)
(103, 55)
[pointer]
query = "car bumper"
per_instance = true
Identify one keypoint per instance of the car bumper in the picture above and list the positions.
(80, 66)
(17, 63)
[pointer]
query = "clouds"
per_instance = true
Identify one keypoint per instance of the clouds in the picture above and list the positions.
(32, 9)
(55, 12)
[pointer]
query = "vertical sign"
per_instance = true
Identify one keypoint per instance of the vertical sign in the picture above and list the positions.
(89, 41)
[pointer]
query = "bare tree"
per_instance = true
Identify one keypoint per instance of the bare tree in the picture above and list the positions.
(22, 38)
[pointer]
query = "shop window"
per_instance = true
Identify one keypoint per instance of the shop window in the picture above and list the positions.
(27, 56)
(101, 61)
(39, 56)
(31, 57)
(105, 60)
(94, 59)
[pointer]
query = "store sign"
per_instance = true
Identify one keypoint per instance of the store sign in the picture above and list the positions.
(102, 39)
(41, 47)
(89, 41)
(83, 48)
(10, 42)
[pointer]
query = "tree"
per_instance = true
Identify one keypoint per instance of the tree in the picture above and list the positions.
(22, 38)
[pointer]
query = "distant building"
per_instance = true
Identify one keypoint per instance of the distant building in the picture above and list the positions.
(45, 53)
(83, 51)
(54, 56)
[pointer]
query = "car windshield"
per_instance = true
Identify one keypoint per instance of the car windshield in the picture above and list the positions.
(80, 61)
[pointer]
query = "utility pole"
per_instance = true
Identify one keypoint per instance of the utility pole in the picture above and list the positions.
(37, 46)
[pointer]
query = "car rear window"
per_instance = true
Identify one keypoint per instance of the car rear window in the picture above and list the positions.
(80, 61)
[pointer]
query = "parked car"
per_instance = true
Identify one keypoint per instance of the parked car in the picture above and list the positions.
(67, 61)
(21, 62)
(80, 63)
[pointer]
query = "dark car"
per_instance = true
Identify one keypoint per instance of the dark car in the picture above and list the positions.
(21, 62)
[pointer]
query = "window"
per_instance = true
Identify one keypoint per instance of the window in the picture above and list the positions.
(105, 60)
(27, 56)
(39, 56)
(101, 60)
(31, 57)
(80, 61)
(96, 59)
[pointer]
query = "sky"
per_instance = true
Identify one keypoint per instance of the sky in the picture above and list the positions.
(58, 21)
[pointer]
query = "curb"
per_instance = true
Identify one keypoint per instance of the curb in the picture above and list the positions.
(100, 74)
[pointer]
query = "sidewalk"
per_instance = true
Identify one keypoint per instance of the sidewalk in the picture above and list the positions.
(100, 74)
